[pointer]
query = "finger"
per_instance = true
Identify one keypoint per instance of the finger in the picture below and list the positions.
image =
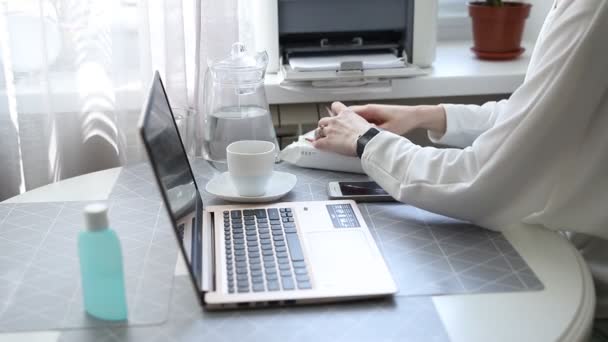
(321, 144)
(329, 112)
(325, 121)
(366, 111)
(338, 107)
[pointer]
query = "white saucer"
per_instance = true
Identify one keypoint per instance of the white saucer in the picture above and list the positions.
(279, 185)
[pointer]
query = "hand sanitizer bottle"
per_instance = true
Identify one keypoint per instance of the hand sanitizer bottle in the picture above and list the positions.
(103, 285)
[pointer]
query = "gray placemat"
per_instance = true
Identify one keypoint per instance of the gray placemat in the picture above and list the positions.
(428, 254)
(40, 275)
(397, 319)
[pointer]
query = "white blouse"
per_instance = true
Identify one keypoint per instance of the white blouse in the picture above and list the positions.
(540, 157)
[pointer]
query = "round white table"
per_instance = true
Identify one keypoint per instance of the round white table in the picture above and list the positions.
(562, 311)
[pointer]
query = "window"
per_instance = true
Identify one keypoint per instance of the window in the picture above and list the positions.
(453, 22)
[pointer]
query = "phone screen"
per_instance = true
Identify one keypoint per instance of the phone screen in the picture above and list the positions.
(361, 189)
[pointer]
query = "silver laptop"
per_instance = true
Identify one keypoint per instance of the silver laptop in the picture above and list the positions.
(258, 255)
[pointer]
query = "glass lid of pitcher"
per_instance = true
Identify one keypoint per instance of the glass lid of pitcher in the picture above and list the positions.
(240, 68)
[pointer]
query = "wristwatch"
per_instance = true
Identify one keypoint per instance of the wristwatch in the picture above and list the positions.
(364, 139)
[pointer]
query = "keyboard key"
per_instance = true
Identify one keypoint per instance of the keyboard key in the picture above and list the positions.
(231, 290)
(271, 276)
(242, 277)
(282, 210)
(285, 273)
(248, 212)
(281, 254)
(262, 220)
(281, 249)
(255, 254)
(289, 214)
(252, 248)
(241, 270)
(279, 243)
(304, 285)
(290, 231)
(263, 225)
(273, 214)
(237, 226)
(264, 231)
(238, 236)
(254, 261)
(270, 265)
(260, 213)
(299, 264)
(295, 250)
(226, 213)
(259, 279)
(284, 267)
(235, 214)
(240, 252)
(268, 258)
(267, 252)
(252, 238)
(266, 247)
(243, 289)
(265, 237)
(258, 287)
(255, 267)
(273, 285)
(302, 277)
(265, 241)
(283, 260)
(288, 210)
(289, 225)
(240, 258)
(240, 264)
(300, 271)
(283, 214)
(251, 233)
(276, 232)
(252, 244)
(274, 223)
(278, 238)
(287, 283)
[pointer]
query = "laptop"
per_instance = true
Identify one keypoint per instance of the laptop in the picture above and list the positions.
(244, 255)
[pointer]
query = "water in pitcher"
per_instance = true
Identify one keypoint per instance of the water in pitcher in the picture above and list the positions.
(230, 124)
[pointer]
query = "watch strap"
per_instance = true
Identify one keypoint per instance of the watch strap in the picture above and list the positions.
(364, 139)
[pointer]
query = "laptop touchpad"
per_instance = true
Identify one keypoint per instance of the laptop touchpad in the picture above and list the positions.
(340, 258)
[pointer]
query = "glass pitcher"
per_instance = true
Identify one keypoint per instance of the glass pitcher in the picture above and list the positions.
(235, 104)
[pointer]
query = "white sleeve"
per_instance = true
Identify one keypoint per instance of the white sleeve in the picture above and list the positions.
(509, 171)
(464, 123)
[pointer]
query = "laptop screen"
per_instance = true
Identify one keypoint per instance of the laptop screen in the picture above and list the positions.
(173, 174)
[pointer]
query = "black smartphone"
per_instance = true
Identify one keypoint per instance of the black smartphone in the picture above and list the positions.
(358, 191)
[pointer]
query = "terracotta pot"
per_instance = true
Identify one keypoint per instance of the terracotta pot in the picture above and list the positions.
(497, 31)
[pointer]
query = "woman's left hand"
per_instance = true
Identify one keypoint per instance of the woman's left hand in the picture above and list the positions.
(339, 133)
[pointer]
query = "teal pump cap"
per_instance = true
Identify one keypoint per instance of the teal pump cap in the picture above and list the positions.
(96, 217)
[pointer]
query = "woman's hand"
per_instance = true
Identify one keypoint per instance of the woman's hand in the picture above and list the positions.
(339, 133)
(402, 119)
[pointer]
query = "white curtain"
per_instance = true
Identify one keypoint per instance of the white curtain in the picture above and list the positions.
(74, 73)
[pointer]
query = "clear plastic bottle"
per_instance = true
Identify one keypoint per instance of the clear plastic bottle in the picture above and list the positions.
(101, 268)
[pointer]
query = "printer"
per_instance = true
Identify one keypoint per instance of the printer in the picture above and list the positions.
(336, 43)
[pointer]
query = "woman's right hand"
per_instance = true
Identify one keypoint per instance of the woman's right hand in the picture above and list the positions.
(402, 119)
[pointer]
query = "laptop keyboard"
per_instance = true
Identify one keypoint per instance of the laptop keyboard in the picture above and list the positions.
(263, 251)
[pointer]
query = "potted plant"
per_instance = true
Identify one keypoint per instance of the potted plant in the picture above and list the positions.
(498, 27)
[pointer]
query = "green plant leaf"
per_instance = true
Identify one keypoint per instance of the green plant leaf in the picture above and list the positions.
(495, 3)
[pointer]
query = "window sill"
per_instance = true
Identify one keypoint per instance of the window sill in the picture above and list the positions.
(456, 72)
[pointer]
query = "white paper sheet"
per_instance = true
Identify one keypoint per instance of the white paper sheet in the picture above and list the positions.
(332, 62)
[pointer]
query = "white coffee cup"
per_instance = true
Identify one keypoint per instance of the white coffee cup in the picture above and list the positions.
(250, 164)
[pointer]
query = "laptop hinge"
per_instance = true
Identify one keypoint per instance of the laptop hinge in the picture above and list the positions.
(208, 255)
